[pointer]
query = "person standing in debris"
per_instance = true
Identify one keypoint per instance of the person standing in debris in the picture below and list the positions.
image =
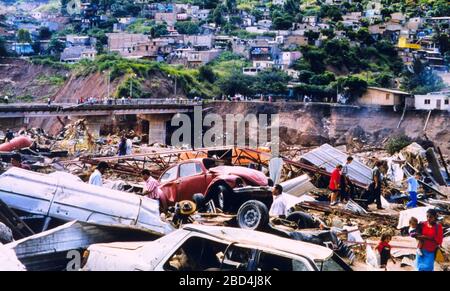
(96, 176)
(384, 249)
(6, 99)
(122, 150)
(334, 184)
(9, 135)
(375, 186)
(413, 185)
(430, 240)
(49, 101)
(278, 207)
(346, 184)
(152, 191)
(16, 161)
(128, 146)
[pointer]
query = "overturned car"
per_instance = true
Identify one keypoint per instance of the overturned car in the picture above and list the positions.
(45, 201)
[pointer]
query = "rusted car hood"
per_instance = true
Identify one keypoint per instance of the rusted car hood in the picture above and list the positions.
(254, 177)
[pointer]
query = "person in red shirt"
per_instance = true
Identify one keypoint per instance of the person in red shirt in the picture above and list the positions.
(334, 184)
(430, 240)
(384, 249)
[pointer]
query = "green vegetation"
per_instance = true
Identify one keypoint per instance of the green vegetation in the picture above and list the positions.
(3, 50)
(188, 79)
(421, 79)
(25, 98)
(187, 27)
(51, 80)
(23, 36)
(396, 143)
(226, 63)
(51, 62)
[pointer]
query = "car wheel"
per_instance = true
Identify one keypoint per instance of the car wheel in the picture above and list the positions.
(199, 200)
(253, 214)
(220, 196)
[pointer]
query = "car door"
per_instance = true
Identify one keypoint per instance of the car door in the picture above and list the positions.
(169, 184)
(192, 180)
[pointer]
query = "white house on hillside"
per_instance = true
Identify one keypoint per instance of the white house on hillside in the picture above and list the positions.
(435, 100)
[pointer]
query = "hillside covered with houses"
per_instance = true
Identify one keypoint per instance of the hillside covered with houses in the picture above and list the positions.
(380, 52)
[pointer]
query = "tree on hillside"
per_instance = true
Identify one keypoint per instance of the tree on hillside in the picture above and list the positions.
(364, 36)
(352, 86)
(206, 73)
(236, 83)
(210, 4)
(3, 50)
(44, 33)
(231, 6)
(258, 14)
(55, 46)
(332, 12)
(187, 27)
(291, 7)
(312, 36)
(443, 41)
(158, 30)
(315, 58)
(271, 82)
(23, 36)
(217, 15)
(421, 79)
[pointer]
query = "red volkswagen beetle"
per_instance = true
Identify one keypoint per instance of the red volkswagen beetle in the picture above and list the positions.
(227, 186)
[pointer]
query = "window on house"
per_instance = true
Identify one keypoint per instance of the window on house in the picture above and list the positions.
(387, 96)
(446, 101)
(427, 101)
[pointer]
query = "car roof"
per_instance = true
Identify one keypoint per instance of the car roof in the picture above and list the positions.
(263, 240)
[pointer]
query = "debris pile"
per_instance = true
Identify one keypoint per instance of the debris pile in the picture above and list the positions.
(223, 188)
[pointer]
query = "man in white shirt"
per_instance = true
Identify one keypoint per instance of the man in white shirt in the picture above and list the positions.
(96, 176)
(129, 147)
(278, 207)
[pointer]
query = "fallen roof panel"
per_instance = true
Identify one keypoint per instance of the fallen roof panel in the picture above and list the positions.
(328, 157)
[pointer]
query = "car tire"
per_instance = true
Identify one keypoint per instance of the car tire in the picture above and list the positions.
(221, 194)
(253, 215)
(199, 201)
(302, 219)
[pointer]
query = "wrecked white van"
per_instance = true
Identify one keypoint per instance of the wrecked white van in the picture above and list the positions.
(212, 248)
(44, 201)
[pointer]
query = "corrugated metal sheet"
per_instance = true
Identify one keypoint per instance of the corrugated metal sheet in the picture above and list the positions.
(298, 186)
(328, 157)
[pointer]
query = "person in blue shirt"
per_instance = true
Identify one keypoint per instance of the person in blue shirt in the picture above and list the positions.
(413, 186)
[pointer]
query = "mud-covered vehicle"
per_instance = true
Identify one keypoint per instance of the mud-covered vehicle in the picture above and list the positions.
(233, 189)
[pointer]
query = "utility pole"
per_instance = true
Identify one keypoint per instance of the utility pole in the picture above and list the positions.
(131, 88)
(108, 83)
(175, 87)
